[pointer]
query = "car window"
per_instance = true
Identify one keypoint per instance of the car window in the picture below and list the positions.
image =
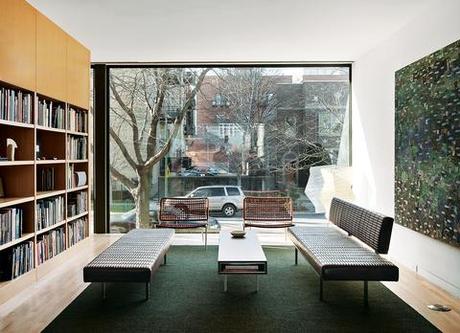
(216, 192)
(233, 191)
(201, 193)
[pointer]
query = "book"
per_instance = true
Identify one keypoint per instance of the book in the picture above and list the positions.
(78, 230)
(46, 179)
(50, 244)
(77, 120)
(76, 148)
(49, 212)
(50, 114)
(11, 221)
(15, 105)
(16, 261)
(77, 203)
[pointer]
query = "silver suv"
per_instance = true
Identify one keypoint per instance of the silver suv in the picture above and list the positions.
(227, 198)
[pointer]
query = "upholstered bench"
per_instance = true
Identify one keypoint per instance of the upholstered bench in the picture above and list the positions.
(133, 258)
(335, 252)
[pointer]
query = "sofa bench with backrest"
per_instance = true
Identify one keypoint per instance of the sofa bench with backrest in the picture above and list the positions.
(351, 250)
(133, 258)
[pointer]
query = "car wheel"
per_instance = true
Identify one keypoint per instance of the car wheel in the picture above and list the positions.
(229, 210)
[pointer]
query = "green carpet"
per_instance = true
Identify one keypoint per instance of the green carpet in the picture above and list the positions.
(187, 296)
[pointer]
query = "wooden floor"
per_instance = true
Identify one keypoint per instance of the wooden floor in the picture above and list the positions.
(58, 286)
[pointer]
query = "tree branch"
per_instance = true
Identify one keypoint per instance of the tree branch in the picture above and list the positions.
(164, 150)
(128, 183)
(132, 116)
(123, 149)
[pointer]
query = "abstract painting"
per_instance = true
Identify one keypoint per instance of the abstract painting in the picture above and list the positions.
(427, 145)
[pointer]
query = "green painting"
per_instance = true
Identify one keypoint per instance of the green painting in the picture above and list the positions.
(427, 145)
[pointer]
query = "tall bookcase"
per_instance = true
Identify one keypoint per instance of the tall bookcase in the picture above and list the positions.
(48, 183)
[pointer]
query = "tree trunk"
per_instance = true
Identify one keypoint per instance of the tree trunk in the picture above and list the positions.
(143, 199)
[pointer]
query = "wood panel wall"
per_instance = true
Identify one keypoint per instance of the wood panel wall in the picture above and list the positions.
(32, 47)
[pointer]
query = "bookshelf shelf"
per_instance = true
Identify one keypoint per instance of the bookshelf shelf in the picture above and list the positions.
(12, 201)
(44, 108)
(76, 189)
(76, 217)
(51, 227)
(77, 161)
(77, 133)
(48, 194)
(25, 236)
(51, 129)
(16, 124)
(50, 161)
(14, 163)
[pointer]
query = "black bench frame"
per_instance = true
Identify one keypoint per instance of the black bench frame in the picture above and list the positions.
(371, 228)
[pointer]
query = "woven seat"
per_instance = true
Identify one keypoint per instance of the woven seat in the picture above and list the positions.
(335, 255)
(267, 212)
(184, 213)
(181, 225)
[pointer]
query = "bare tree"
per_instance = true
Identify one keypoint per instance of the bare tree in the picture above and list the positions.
(249, 97)
(148, 106)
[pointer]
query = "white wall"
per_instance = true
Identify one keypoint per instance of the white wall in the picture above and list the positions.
(373, 136)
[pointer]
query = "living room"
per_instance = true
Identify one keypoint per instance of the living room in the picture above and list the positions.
(154, 155)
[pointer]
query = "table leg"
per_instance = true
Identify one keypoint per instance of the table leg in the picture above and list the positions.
(225, 283)
(257, 283)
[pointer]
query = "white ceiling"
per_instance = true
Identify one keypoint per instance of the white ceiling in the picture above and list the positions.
(230, 30)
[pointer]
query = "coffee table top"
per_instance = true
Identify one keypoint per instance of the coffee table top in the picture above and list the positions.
(244, 250)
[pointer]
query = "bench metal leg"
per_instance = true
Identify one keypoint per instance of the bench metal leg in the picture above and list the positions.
(164, 259)
(296, 253)
(205, 238)
(225, 283)
(366, 301)
(103, 290)
(320, 289)
(147, 290)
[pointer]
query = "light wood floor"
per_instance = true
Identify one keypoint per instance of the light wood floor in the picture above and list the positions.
(55, 288)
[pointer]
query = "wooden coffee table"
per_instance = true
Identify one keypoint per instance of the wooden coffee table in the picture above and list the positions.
(241, 256)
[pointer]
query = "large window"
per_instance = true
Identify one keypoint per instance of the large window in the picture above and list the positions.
(258, 129)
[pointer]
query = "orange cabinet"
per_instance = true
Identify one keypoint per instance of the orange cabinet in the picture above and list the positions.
(78, 63)
(17, 43)
(51, 59)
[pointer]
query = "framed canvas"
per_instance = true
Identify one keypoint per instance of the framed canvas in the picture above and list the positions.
(427, 145)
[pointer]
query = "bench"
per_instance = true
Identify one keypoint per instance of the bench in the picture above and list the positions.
(350, 250)
(133, 258)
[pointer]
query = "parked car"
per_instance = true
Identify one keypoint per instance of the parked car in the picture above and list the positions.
(124, 222)
(225, 198)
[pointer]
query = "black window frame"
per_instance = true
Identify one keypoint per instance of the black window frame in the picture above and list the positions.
(101, 96)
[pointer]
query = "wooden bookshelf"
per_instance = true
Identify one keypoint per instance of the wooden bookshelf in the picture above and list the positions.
(46, 72)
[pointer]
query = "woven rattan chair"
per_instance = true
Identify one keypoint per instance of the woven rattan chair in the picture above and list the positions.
(184, 213)
(267, 212)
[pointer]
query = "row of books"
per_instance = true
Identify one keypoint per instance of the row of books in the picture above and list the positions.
(46, 179)
(50, 244)
(77, 203)
(15, 106)
(16, 261)
(50, 114)
(10, 224)
(77, 231)
(49, 212)
(77, 120)
(76, 148)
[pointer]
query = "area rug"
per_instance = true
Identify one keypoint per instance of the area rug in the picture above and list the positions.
(187, 296)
